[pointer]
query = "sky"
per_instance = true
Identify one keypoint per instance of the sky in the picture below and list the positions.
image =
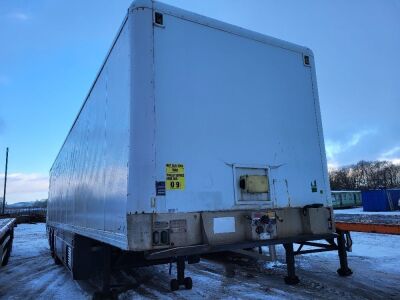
(51, 51)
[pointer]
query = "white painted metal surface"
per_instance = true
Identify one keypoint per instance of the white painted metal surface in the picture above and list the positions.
(223, 99)
(88, 182)
(197, 92)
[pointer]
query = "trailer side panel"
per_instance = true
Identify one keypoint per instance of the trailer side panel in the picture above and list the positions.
(88, 181)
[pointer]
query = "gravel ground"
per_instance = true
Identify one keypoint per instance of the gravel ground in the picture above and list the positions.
(31, 274)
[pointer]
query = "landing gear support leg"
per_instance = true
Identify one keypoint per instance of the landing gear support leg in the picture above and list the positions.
(291, 277)
(344, 269)
(181, 279)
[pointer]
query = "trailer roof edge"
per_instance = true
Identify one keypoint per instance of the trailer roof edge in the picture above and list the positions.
(221, 25)
(194, 17)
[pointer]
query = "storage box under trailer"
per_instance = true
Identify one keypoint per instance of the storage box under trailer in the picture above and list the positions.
(197, 136)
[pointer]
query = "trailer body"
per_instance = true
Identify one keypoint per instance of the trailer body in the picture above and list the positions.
(6, 239)
(195, 133)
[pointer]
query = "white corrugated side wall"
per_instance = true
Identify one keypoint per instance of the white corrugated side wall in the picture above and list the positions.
(88, 181)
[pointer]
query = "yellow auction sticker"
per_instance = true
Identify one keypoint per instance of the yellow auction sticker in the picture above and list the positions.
(175, 176)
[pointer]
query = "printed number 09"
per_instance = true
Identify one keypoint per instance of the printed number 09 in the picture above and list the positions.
(175, 184)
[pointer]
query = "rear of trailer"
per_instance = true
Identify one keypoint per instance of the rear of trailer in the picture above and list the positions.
(196, 136)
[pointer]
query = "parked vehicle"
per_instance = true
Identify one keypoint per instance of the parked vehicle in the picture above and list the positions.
(346, 199)
(197, 136)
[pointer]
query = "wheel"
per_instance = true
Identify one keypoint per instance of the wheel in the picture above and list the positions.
(53, 254)
(51, 248)
(49, 237)
(174, 285)
(57, 261)
(188, 283)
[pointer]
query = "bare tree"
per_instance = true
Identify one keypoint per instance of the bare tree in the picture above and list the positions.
(365, 175)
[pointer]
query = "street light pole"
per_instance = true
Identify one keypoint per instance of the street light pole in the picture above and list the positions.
(5, 182)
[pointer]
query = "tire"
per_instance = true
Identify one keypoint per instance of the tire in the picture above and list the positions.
(49, 239)
(53, 253)
(188, 283)
(57, 261)
(174, 285)
(52, 247)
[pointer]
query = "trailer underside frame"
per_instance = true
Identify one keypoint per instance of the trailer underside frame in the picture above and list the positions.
(342, 245)
(112, 258)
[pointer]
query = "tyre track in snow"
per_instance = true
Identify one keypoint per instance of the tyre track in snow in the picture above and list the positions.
(31, 272)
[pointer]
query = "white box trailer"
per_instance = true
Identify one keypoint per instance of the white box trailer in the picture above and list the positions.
(196, 136)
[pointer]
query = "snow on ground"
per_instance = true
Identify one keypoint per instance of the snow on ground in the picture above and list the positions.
(360, 211)
(381, 251)
(31, 274)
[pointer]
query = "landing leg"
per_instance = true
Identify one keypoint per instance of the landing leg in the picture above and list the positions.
(181, 279)
(291, 278)
(272, 252)
(344, 269)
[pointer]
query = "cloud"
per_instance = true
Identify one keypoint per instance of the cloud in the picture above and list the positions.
(391, 152)
(20, 16)
(335, 148)
(392, 155)
(25, 186)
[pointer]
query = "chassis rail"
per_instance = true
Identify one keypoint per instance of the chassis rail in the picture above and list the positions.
(200, 249)
(108, 258)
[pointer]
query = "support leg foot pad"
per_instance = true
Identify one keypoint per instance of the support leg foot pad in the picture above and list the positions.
(104, 296)
(292, 280)
(175, 284)
(344, 272)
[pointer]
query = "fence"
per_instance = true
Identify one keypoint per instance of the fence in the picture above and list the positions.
(26, 214)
